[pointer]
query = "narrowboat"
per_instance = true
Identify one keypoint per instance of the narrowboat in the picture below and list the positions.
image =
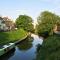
(6, 48)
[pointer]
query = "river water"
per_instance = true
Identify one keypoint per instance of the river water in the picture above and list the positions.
(26, 50)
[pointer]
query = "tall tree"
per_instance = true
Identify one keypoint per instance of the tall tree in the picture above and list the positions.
(46, 22)
(25, 22)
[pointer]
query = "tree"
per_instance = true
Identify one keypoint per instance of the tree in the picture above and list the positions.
(50, 49)
(46, 22)
(25, 22)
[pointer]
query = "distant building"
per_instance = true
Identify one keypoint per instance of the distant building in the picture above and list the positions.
(2, 24)
(9, 24)
(6, 24)
(57, 28)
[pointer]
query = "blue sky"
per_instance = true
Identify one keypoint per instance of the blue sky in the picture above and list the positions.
(14, 8)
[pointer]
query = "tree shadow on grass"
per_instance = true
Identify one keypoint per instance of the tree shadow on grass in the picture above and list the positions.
(3, 38)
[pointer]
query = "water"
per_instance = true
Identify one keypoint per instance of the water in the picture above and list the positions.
(26, 50)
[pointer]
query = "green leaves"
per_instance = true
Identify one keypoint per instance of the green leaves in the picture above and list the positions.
(47, 21)
(25, 22)
(50, 49)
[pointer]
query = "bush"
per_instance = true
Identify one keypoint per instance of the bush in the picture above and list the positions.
(50, 49)
(46, 22)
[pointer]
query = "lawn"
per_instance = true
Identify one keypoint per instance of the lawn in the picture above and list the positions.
(12, 36)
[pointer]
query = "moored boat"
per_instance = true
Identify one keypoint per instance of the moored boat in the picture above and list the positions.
(6, 48)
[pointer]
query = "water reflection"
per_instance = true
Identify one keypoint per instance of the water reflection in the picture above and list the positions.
(27, 44)
(37, 40)
(27, 49)
(8, 55)
(38, 48)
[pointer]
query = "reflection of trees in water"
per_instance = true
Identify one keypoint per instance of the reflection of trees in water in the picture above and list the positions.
(7, 55)
(38, 48)
(26, 44)
(40, 53)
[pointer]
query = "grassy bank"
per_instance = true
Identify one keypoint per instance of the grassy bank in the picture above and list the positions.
(50, 49)
(12, 36)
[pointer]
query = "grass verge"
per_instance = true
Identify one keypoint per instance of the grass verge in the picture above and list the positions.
(12, 36)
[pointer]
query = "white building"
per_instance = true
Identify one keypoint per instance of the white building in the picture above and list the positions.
(2, 24)
(6, 24)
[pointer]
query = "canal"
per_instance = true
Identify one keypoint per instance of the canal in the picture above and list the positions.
(26, 50)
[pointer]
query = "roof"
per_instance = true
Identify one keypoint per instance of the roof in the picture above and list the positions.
(1, 18)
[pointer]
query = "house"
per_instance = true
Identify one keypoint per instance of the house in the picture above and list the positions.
(2, 25)
(57, 29)
(9, 24)
(6, 24)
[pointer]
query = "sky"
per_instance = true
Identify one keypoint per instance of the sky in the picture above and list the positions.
(33, 8)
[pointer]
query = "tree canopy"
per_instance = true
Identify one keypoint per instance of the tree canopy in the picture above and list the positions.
(25, 22)
(46, 22)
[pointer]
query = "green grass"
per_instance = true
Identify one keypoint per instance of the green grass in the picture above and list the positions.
(12, 36)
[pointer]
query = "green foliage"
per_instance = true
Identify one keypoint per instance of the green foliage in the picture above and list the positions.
(46, 22)
(6, 37)
(25, 22)
(50, 49)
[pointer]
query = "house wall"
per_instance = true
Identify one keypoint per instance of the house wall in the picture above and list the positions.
(6, 24)
(2, 25)
(57, 29)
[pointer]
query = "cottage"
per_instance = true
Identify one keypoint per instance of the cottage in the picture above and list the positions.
(9, 24)
(2, 25)
(57, 29)
(6, 24)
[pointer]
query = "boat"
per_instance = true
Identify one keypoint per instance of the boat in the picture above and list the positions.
(6, 48)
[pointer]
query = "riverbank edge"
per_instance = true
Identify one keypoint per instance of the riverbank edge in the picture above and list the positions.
(17, 42)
